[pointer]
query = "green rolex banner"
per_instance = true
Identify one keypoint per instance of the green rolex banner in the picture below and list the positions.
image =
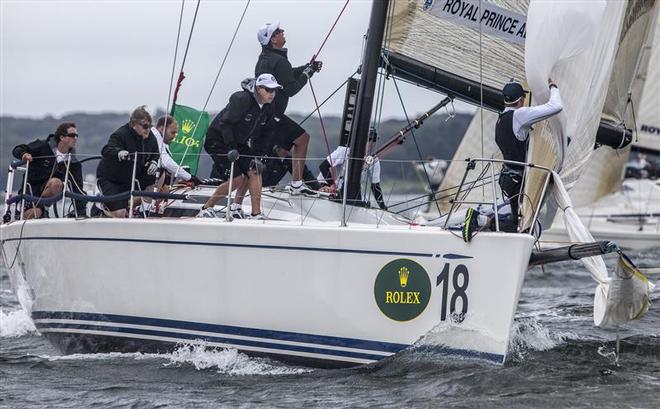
(188, 143)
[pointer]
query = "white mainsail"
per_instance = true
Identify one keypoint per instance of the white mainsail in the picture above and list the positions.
(443, 36)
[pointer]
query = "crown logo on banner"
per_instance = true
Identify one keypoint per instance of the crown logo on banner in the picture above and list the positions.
(187, 126)
(403, 276)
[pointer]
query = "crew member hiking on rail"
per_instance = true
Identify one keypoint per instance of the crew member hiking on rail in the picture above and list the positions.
(246, 125)
(47, 169)
(115, 171)
(511, 135)
(290, 136)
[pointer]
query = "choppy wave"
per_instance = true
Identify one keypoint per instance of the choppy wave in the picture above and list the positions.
(227, 361)
(15, 324)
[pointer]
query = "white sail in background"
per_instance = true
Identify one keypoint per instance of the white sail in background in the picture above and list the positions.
(604, 173)
(648, 116)
(473, 145)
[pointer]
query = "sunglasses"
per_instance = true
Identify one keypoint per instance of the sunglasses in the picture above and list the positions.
(278, 31)
(72, 135)
(269, 90)
(146, 126)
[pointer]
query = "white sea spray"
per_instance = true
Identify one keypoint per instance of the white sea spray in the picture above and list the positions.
(227, 361)
(15, 323)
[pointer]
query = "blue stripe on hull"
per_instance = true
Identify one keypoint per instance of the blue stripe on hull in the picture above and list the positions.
(114, 325)
(235, 245)
(385, 347)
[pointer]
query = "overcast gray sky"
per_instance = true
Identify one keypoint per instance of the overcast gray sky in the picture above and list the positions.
(64, 56)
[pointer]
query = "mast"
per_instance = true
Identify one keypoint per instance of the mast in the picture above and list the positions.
(360, 128)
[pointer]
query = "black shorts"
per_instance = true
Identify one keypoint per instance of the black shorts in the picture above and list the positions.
(222, 166)
(286, 131)
(109, 188)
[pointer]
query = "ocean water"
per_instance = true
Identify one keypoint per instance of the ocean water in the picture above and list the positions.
(557, 359)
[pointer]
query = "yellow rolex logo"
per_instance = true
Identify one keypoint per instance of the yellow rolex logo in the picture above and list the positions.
(403, 276)
(187, 126)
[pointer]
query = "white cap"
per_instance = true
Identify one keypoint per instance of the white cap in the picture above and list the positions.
(266, 32)
(268, 81)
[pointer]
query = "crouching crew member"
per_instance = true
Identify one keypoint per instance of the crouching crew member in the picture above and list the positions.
(47, 170)
(245, 125)
(336, 162)
(115, 171)
(511, 135)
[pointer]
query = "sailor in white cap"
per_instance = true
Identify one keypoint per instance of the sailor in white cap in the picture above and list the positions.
(289, 135)
(245, 125)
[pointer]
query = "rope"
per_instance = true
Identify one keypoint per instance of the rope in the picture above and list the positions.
(327, 99)
(330, 32)
(325, 135)
(176, 50)
(428, 179)
(224, 60)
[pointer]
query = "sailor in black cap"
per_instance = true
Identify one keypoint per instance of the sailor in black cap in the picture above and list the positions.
(511, 133)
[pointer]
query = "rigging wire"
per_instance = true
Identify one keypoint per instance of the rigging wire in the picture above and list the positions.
(176, 50)
(185, 54)
(405, 112)
(327, 99)
(311, 87)
(330, 32)
(325, 134)
(224, 60)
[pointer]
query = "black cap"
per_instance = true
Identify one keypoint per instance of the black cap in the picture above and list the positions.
(512, 92)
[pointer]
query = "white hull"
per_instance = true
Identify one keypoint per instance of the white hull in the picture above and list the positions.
(305, 293)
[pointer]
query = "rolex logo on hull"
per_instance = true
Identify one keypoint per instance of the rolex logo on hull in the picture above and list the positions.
(402, 289)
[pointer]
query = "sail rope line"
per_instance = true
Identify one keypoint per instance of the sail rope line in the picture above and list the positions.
(327, 99)
(419, 152)
(176, 51)
(224, 60)
(185, 54)
(311, 87)
(325, 135)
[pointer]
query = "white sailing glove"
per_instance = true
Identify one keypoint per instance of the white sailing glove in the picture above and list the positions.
(152, 167)
(123, 155)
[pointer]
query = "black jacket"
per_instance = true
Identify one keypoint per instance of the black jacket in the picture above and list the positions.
(275, 61)
(44, 165)
(126, 139)
(242, 122)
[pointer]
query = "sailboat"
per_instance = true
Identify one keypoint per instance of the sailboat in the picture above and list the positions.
(624, 211)
(324, 284)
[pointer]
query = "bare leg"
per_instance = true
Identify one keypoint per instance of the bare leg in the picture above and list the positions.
(222, 191)
(299, 155)
(240, 193)
(254, 184)
(53, 187)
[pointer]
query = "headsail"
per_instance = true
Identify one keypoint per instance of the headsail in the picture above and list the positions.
(604, 174)
(579, 56)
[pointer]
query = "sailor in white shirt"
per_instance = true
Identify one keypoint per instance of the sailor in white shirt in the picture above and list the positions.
(337, 159)
(511, 134)
(165, 137)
